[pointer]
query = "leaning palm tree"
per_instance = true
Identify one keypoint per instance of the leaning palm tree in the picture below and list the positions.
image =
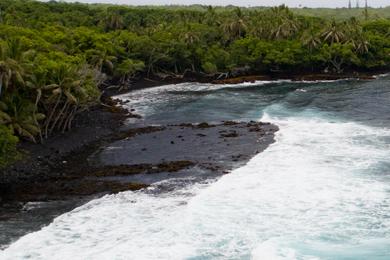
(64, 98)
(37, 82)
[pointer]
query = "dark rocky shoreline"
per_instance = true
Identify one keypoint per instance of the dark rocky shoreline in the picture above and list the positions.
(149, 155)
(100, 121)
(145, 151)
(59, 174)
(72, 168)
(64, 172)
(241, 75)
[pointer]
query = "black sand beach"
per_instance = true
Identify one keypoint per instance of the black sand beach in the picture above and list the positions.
(72, 168)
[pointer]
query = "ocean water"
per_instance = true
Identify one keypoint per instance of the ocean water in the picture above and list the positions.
(321, 191)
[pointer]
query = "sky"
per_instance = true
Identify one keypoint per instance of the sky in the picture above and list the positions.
(291, 3)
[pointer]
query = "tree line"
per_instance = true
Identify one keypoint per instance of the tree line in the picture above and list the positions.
(54, 56)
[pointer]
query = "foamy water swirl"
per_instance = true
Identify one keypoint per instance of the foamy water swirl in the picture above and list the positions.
(317, 193)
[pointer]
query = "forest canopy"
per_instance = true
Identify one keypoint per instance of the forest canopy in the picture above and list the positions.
(54, 56)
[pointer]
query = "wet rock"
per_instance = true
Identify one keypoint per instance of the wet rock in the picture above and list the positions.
(204, 125)
(138, 131)
(229, 134)
(59, 190)
(185, 125)
(229, 123)
(190, 75)
(115, 106)
(120, 170)
(242, 79)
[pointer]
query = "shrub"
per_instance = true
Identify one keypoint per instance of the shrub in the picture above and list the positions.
(209, 67)
(8, 141)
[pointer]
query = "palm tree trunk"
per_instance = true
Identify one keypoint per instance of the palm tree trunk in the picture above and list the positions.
(39, 93)
(74, 112)
(1, 83)
(47, 123)
(68, 119)
(58, 116)
(63, 118)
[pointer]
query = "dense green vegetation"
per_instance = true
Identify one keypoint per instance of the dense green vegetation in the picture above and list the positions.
(8, 141)
(54, 56)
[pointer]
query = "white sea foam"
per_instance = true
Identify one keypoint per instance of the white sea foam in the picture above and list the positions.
(384, 75)
(144, 100)
(150, 100)
(314, 194)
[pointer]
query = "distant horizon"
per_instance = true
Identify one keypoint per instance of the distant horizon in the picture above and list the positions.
(242, 3)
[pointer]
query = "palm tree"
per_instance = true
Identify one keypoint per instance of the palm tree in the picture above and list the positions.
(64, 98)
(356, 36)
(210, 16)
(334, 33)
(20, 120)
(190, 37)
(37, 82)
(127, 69)
(11, 71)
(311, 40)
(17, 113)
(154, 58)
(284, 28)
(360, 43)
(275, 24)
(114, 21)
(235, 27)
(191, 40)
(101, 60)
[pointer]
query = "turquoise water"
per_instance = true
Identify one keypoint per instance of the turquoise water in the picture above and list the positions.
(321, 191)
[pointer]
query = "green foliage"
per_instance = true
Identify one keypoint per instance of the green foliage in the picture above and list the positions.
(128, 68)
(8, 142)
(55, 55)
(209, 67)
(338, 55)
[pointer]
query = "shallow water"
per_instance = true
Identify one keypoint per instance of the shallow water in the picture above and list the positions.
(321, 191)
